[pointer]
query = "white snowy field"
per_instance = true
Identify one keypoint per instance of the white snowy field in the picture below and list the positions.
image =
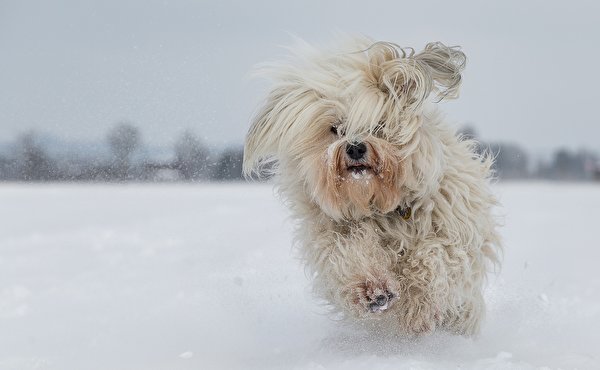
(204, 277)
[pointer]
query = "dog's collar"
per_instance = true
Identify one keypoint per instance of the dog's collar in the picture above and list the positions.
(404, 212)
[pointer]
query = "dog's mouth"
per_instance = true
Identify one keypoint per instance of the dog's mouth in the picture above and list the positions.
(359, 167)
(359, 170)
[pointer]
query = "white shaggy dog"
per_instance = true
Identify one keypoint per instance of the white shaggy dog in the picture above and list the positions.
(394, 209)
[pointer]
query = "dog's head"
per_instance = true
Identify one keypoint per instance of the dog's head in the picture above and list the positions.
(347, 127)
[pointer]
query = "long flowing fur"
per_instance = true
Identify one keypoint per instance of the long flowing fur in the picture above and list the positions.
(430, 268)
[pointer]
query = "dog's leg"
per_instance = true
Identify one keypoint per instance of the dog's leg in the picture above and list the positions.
(466, 319)
(424, 289)
(440, 287)
(354, 272)
(371, 292)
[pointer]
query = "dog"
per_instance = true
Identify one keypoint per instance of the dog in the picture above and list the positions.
(394, 209)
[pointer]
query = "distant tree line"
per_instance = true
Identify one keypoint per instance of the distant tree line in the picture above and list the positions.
(28, 159)
(511, 162)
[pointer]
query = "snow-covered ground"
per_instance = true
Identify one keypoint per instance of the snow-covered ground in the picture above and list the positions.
(199, 277)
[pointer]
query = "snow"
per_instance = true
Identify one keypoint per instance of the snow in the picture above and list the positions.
(201, 277)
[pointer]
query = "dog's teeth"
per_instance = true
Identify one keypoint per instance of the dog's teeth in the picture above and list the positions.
(359, 174)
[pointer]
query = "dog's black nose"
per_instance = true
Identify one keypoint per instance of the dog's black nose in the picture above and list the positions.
(381, 300)
(356, 150)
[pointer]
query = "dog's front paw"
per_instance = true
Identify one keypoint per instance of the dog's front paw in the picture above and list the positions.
(374, 295)
(422, 320)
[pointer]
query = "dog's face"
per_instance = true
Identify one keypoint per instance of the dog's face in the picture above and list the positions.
(345, 126)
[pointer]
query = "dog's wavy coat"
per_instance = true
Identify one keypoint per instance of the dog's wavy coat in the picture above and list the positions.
(394, 210)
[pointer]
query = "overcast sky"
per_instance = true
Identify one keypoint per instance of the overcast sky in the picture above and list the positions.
(75, 68)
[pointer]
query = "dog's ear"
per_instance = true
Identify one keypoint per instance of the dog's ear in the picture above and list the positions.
(444, 65)
(259, 141)
(280, 124)
(411, 77)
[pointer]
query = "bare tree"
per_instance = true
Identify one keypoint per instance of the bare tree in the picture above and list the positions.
(33, 163)
(191, 157)
(229, 166)
(511, 161)
(124, 139)
(569, 165)
(5, 169)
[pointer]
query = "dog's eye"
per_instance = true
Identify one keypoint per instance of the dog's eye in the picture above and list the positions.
(338, 129)
(378, 130)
